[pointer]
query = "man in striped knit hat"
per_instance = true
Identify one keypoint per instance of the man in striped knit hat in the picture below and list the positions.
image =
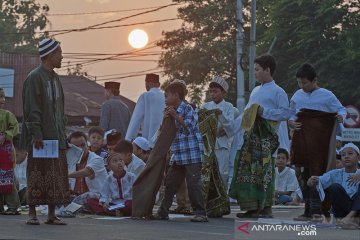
(44, 119)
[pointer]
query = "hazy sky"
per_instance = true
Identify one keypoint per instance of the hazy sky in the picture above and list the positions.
(110, 40)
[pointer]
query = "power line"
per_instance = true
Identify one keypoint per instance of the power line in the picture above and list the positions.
(117, 20)
(102, 12)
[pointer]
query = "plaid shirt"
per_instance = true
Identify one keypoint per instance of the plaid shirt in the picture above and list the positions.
(187, 147)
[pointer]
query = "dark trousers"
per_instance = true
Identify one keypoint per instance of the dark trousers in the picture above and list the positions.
(341, 203)
(310, 194)
(173, 181)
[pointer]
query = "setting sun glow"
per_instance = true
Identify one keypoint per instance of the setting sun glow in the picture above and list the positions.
(138, 38)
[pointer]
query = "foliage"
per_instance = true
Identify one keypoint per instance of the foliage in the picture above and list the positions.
(203, 47)
(324, 33)
(19, 22)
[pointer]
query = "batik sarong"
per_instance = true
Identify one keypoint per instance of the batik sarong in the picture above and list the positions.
(253, 182)
(47, 180)
(214, 191)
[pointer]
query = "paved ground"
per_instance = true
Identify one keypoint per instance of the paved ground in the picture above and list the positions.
(179, 227)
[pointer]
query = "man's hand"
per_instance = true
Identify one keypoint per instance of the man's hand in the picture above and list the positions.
(170, 111)
(353, 179)
(38, 143)
(339, 118)
(294, 125)
(260, 111)
(312, 181)
(104, 205)
(2, 138)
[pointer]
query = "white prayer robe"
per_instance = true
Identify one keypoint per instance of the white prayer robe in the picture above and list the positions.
(320, 99)
(286, 181)
(110, 189)
(148, 114)
(223, 144)
(136, 165)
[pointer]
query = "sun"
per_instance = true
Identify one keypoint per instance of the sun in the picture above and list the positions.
(138, 38)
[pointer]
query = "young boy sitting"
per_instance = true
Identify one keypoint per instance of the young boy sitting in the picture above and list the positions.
(187, 150)
(218, 89)
(96, 139)
(116, 189)
(133, 164)
(9, 128)
(344, 187)
(141, 148)
(286, 183)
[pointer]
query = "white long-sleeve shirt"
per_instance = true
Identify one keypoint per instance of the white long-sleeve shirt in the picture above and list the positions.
(225, 121)
(273, 99)
(320, 99)
(148, 114)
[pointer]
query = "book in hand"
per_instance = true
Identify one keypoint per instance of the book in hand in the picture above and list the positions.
(50, 150)
(117, 206)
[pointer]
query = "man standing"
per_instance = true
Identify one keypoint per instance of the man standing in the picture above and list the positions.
(44, 119)
(114, 113)
(148, 110)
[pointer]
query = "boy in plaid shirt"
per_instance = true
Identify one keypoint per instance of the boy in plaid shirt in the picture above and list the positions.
(187, 150)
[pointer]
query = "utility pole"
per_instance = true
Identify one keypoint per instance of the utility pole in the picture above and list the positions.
(252, 52)
(240, 101)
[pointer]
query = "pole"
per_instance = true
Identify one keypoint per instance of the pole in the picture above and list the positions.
(252, 52)
(240, 101)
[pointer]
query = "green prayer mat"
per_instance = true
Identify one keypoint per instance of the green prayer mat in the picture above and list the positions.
(253, 183)
(215, 197)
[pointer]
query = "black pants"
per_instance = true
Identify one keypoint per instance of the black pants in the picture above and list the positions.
(173, 180)
(341, 203)
(310, 194)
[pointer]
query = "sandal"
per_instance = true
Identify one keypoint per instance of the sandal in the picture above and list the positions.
(11, 211)
(55, 221)
(32, 221)
(248, 214)
(184, 211)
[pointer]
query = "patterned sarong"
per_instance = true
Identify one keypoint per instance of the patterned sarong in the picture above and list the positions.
(47, 180)
(215, 197)
(253, 182)
(6, 168)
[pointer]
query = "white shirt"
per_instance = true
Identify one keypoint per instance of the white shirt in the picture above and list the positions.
(96, 163)
(273, 99)
(320, 99)
(20, 174)
(110, 189)
(148, 112)
(286, 180)
(136, 165)
(225, 121)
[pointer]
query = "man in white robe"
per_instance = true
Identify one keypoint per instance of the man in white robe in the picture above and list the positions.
(148, 112)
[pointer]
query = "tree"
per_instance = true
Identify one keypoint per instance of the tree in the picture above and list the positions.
(324, 33)
(203, 47)
(20, 20)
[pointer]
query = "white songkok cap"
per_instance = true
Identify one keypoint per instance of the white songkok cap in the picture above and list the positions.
(221, 82)
(142, 143)
(350, 145)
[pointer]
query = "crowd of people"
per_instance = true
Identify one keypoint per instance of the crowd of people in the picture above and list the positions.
(214, 155)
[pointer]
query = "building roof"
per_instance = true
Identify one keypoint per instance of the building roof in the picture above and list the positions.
(84, 97)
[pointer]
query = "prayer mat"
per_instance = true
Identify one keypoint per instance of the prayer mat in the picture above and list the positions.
(149, 181)
(215, 197)
(313, 145)
(253, 183)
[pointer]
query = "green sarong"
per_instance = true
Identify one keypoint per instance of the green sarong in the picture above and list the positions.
(215, 197)
(253, 183)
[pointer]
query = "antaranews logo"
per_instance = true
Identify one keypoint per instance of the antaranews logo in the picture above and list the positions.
(300, 229)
